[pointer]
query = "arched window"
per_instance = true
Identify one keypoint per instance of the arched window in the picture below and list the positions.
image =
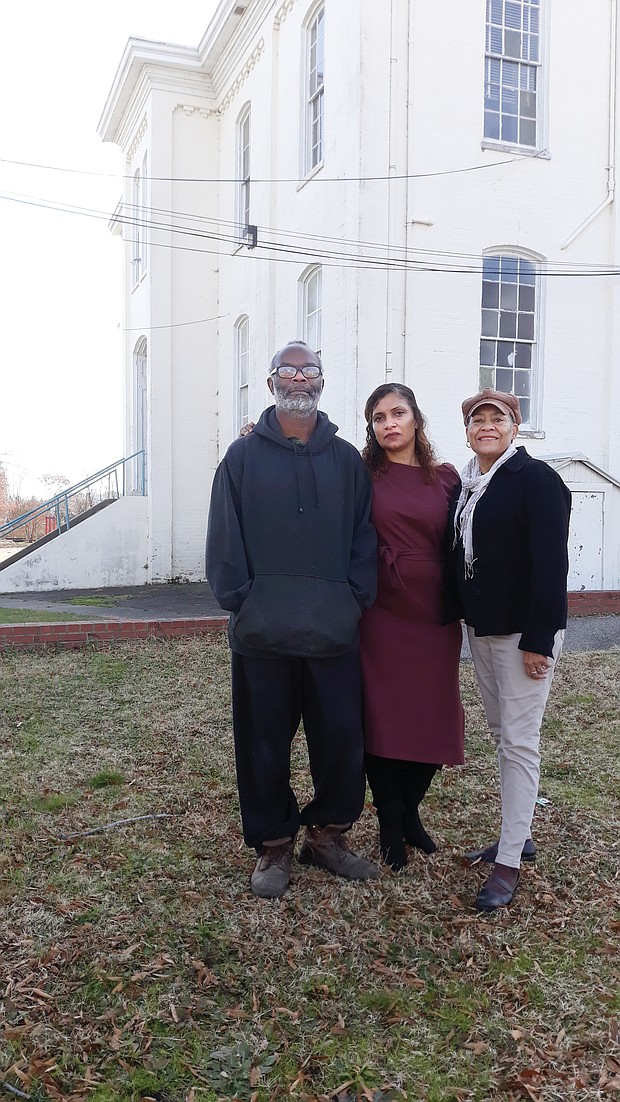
(509, 328)
(144, 213)
(314, 84)
(242, 371)
(136, 252)
(312, 308)
(138, 221)
(243, 171)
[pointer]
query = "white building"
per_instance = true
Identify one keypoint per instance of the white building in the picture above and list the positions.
(424, 192)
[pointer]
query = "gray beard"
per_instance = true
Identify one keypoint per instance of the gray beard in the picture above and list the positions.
(300, 406)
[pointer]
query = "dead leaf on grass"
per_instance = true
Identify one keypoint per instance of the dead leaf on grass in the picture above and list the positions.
(477, 1047)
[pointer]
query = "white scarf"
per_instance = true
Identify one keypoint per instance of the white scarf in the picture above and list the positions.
(474, 484)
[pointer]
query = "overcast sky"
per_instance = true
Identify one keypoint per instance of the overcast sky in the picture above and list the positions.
(61, 273)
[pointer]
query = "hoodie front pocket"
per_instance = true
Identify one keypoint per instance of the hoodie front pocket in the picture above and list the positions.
(298, 615)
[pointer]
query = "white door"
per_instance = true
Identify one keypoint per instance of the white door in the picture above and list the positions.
(585, 543)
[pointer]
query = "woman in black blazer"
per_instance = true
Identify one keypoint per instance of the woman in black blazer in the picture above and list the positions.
(511, 565)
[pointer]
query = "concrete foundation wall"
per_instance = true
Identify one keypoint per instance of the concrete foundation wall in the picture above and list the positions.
(110, 548)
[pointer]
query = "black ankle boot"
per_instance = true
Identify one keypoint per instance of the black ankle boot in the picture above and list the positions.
(415, 833)
(385, 780)
(417, 782)
(391, 837)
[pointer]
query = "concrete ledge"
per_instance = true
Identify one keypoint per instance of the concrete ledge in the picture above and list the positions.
(80, 633)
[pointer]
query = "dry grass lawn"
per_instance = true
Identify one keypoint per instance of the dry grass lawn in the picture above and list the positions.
(134, 963)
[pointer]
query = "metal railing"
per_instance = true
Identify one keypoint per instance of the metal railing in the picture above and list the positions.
(131, 480)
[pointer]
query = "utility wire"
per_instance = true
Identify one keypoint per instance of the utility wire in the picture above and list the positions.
(134, 215)
(295, 254)
(319, 178)
(137, 218)
(173, 325)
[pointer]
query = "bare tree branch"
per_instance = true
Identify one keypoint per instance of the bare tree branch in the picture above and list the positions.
(110, 826)
(13, 1090)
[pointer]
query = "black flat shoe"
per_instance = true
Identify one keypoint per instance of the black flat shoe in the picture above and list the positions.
(497, 892)
(528, 853)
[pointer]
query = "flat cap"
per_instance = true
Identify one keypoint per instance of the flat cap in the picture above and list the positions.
(507, 403)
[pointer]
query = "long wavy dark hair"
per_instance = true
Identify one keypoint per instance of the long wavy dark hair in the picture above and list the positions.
(374, 455)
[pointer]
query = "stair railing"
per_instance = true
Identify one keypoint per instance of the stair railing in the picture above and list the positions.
(59, 504)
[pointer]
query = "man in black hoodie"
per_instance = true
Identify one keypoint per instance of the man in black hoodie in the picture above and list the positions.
(291, 553)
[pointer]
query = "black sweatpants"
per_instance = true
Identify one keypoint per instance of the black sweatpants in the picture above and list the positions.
(270, 696)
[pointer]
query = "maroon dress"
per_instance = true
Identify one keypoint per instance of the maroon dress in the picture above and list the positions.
(410, 661)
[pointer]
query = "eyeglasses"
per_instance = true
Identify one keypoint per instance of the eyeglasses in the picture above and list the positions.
(289, 371)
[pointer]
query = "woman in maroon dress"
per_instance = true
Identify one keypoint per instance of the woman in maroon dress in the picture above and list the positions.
(410, 659)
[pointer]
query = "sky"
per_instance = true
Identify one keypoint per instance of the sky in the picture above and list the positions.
(61, 275)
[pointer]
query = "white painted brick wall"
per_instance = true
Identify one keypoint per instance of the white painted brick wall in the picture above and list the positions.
(404, 95)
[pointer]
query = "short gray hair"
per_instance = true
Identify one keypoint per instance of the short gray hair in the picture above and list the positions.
(294, 344)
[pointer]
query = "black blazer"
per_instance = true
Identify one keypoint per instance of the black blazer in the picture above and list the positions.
(520, 538)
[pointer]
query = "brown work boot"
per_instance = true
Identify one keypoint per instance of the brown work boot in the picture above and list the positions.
(271, 875)
(326, 848)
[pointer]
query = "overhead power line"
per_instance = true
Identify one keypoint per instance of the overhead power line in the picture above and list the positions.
(361, 258)
(319, 178)
(172, 325)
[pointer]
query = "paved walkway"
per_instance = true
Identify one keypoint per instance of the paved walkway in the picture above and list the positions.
(141, 602)
(180, 608)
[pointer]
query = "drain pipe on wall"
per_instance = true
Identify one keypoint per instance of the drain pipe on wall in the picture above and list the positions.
(611, 167)
(398, 188)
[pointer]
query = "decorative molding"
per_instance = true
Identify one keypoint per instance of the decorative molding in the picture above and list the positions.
(189, 108)
(258, 50)
(141, 131)
(282, 13)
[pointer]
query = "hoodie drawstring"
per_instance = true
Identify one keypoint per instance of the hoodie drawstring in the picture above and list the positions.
(301, 508)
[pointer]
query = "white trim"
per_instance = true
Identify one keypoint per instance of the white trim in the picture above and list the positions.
(519, 150)
(241, 415)
(244, 118)
(310, 176)
(564, 459)
(306, 167)
(304, 281)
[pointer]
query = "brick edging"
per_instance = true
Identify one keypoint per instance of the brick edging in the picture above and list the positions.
(594, 602)
(79, 633)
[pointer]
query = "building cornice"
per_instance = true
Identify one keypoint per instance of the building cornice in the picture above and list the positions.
(139, 54)
(282, 13)
(140, 132)
(243, 75)
(182, 63)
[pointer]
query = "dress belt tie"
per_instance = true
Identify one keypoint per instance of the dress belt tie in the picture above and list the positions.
(390, 556)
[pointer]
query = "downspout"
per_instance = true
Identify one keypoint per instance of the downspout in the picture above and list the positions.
(397, 197)
(611, 167)
(408, 124)
(388, 289)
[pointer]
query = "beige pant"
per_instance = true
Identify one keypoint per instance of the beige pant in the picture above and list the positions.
(514, 704)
